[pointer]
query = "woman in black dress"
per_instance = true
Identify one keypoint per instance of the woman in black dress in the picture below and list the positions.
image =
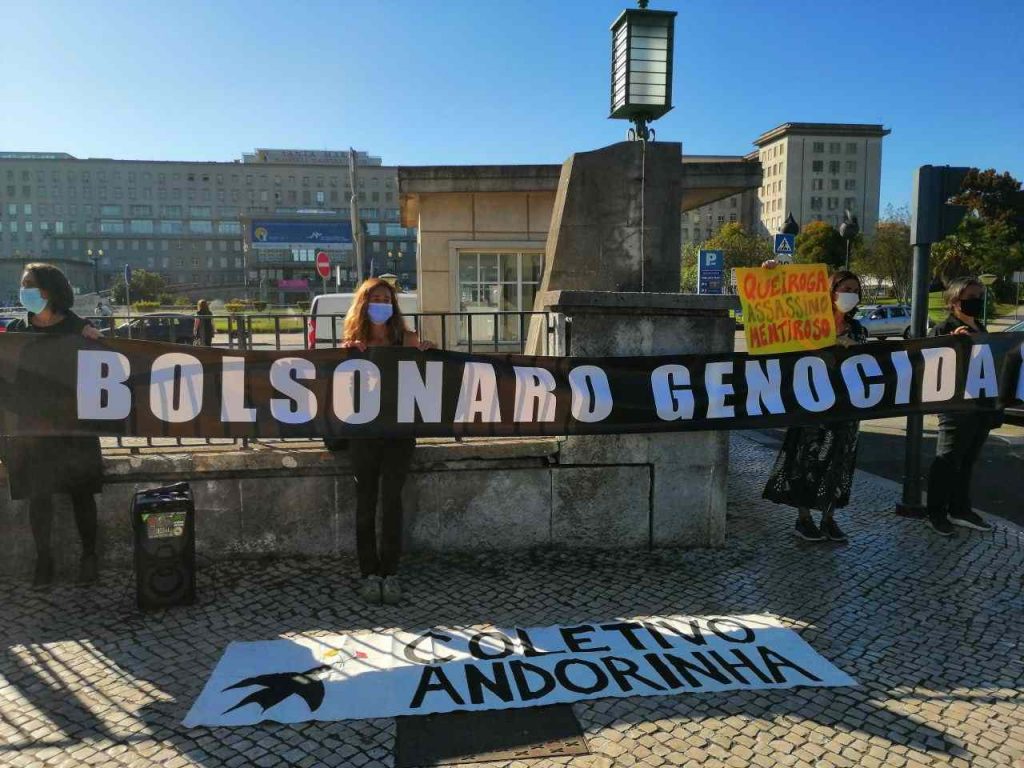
(202, 326)
(39, 467)
(379, 465)
(814, 469)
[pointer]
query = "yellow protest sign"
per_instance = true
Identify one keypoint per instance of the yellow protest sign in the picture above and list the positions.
(786, 309)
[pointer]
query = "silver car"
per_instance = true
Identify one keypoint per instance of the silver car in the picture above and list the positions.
(884, 320)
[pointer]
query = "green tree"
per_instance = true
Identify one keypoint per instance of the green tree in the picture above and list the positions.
(146, 286)
(990, 239)
(688, 268)
(820, 243)
(740, 248)
(889, 255)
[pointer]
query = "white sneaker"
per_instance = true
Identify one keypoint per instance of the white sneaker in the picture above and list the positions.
(370, 589)
(392, 590)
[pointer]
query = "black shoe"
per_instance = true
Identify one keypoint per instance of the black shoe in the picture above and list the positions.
(970, 519)
(940, 525)
(808, 531)
(88, 570)
(832, 531)
(43, 575)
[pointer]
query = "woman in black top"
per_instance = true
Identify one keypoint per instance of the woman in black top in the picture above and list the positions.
(38, 467)
(379, 464)
(202, 328)
(814, 469)
(961, 435)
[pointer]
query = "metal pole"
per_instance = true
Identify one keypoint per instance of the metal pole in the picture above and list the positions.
(910, 505)
(357, 233)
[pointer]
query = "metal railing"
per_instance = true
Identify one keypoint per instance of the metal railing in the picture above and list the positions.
(471, 332)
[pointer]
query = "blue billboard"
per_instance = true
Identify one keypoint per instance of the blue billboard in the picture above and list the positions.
(269, 233)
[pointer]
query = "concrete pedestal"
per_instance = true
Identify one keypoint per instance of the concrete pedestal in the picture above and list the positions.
(688, 469)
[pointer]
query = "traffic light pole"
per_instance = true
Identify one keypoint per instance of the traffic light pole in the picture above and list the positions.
(910, 505)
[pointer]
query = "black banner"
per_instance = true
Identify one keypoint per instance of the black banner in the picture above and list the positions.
(65, 385)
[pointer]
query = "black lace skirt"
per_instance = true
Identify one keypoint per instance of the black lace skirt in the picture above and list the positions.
(815, 466)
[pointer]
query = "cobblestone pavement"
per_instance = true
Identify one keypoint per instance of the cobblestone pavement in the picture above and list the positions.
(932, 629)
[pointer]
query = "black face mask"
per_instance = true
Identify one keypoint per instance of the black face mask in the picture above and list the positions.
(972, 307)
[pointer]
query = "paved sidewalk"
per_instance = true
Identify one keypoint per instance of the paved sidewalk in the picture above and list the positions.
(932, 628)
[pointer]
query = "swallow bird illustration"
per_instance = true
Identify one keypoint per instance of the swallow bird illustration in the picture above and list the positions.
(275, 688)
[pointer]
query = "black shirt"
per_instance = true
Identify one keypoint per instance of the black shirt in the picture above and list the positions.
(951, 323)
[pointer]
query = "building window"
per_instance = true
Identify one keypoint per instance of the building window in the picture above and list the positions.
(320, 198)
(833, 147)
(833, 166)
(815, 203)
(833, 184)
(496, 282)
(817, 184)
(172, 227)
(199, 227)
(851, 166)
(732, 217)
(818, 166)
(199, 211)
(833, 203)
(851, 148)
(850, 203)
(850, 184)
(229, 228)
(819, 147)
(111, 226)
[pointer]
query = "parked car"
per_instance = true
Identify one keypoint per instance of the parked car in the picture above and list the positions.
(884, 320)
(333, 306)
(176, 329)
(4, 322)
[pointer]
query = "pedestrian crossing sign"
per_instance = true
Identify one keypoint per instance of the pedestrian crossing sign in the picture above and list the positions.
(785, 245)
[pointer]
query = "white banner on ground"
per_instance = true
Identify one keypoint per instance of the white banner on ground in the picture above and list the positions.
(351, 677)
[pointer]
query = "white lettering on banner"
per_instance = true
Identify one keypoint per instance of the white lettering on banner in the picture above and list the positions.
(298, 404)
(535, 394)
(591, 394)
(415, 393)
(811, 385)
(366, 675)
(176, 387)
(904, 375)
(356, 379)
(672, 396)
(855, 371)
(718, 389)
(981, 374)
(478, 395)
(232, 401)
(939, 381)
(101, 391)
(764, 387)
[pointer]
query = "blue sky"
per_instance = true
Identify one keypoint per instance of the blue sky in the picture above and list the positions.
(423, 82)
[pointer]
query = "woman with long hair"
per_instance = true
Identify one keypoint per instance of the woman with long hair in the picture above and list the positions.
(38, 467)
(814, 469)
(202, 326)
(961, 435)
(379, 465)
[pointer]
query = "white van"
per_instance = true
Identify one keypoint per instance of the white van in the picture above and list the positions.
(330, 308)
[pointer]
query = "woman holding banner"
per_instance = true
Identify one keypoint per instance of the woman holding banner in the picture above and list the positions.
(961, 435)
(379, 465)
(814, 469)
(40, 466)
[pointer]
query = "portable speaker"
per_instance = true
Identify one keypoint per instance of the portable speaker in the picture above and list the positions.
(163, 520)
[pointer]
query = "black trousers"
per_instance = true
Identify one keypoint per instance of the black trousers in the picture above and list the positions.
(40, 513)
(380, 467)
(961, 438)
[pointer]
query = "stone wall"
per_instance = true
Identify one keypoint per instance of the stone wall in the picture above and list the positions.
(473, 496)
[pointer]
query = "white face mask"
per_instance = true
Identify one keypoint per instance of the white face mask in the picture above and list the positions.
(846, 302)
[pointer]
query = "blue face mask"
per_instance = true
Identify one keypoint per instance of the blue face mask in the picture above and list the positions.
(380, 313)
(32, 300)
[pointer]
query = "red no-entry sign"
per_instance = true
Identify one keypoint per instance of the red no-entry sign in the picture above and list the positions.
(323, 264)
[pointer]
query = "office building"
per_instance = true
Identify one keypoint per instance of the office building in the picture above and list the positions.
(187, 220)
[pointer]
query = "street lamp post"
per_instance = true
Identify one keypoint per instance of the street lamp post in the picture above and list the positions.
(642, 67)
(848, 231)
(94, 257)
(986, 280)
